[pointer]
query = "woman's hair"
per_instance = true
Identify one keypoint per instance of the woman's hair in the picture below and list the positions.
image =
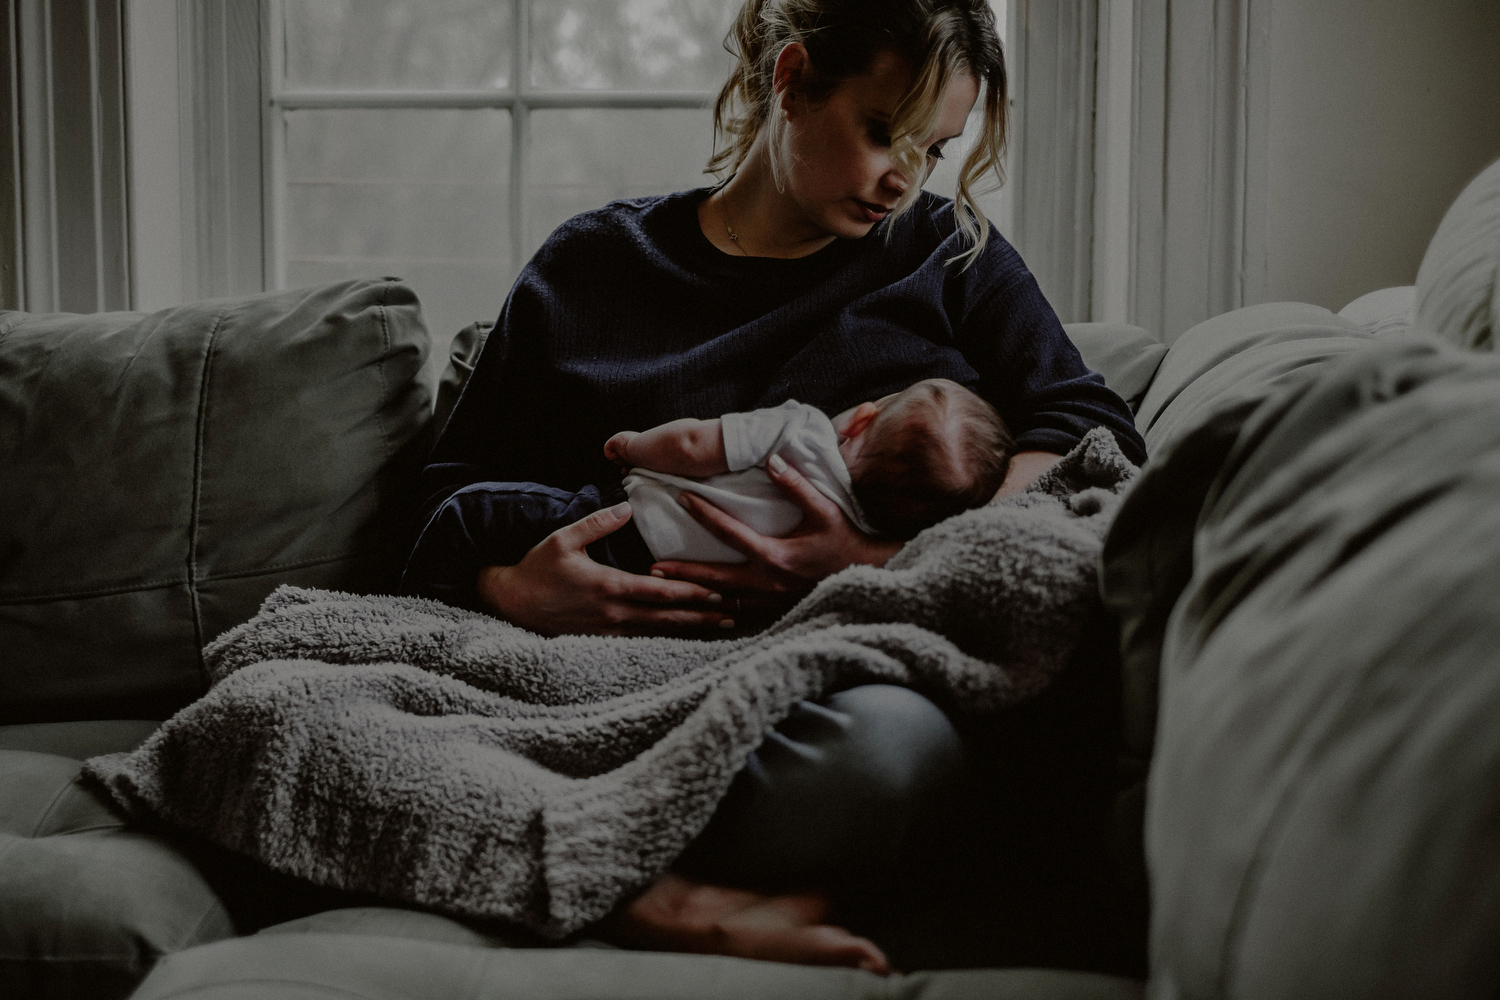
(935, 450)
(938, 38)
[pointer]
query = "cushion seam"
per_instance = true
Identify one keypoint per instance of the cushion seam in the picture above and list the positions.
(131, 959)
(196, 988)
(385, 386)
(214, 904)
(193, 523)
(180, 581)
(42, 820)
(62, 595)
(279, 567)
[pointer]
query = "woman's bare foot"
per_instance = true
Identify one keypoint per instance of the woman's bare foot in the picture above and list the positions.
(679, 914)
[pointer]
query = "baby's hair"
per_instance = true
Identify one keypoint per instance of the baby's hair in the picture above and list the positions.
(937, 450)
(939, 38)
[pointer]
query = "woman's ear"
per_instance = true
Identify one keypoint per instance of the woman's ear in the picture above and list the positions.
(792, 70)
(853, 423)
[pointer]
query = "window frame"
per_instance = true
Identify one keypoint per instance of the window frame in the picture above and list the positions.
(519, 98)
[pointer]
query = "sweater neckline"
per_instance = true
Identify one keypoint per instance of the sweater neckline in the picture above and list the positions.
(712, 258)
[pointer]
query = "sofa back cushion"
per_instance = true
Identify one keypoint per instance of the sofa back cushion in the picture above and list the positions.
(1247, 353)
(163, 473)
(1127, 356)
(1323, 803)
(1458, 284)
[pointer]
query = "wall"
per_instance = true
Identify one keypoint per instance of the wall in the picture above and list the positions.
(1378, 114)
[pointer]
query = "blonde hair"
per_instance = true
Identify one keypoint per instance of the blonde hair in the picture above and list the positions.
(940, 38)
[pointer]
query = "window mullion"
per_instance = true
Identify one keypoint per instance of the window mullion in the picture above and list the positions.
(519, 115)
(273, 148)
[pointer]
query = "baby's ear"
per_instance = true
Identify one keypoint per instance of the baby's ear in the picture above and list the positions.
(853, 423)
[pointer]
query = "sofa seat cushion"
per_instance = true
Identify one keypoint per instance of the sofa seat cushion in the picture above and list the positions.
(286, 966)
(78, 740)
(1245, 354)
(164, 473)
(86, 905)
(1324, 802)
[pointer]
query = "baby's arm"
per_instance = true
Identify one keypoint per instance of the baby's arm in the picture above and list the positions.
(684, 447)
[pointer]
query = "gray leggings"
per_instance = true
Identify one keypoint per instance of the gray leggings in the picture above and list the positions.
(830, 795)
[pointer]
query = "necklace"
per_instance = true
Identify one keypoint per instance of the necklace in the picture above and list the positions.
(734, 237)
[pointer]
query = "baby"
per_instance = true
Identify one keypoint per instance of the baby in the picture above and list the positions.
(894, 466)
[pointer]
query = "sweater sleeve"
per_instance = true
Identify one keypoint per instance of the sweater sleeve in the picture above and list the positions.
(1029, 369)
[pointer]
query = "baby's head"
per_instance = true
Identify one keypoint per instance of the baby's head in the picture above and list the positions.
(924, 454)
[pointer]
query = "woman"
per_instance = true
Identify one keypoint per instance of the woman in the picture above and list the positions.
(819, 271)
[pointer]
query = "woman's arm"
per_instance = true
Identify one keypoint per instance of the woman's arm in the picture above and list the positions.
(1025, 467)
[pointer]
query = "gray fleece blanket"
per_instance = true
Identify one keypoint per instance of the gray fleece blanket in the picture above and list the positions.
(400, 747)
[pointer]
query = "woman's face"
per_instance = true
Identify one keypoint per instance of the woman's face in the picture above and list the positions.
(838, 163)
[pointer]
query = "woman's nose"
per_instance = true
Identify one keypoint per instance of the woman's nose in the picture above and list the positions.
(895, 182)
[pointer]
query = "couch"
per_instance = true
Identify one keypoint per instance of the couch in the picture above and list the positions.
(1304, 587)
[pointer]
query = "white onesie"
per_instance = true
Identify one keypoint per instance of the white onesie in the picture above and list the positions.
(802, 435)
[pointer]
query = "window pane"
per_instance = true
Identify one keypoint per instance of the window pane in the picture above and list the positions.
(398, 44)
(630, 44)
(421, 194)
(582, 159)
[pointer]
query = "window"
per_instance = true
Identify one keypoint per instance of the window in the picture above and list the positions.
(443, 140)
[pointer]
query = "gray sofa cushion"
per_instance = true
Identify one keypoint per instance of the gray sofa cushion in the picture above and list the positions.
(1244, 354)
(317, 965)
(78, 740)
(1324, 793)
(1458, 284)
(164, 473)
(87, 906)
(1127, 356)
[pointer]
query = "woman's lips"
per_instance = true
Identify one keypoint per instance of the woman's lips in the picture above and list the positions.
(873, 212)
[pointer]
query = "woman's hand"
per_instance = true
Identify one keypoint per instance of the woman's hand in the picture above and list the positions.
(556, 589)
(824, 543)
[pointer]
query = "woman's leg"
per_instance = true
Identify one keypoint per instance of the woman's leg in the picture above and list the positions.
(830, 796)
(823, 804)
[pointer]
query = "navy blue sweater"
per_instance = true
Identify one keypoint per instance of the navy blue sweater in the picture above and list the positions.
(628, 317)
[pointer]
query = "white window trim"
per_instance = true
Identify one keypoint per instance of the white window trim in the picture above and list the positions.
(155, 155)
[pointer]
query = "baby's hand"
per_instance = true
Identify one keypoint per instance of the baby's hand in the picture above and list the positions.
(616, 447)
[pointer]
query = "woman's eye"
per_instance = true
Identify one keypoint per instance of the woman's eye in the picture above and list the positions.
(880, 135)
(936, 152)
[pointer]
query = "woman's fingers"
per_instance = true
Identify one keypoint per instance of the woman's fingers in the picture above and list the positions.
(557, 589)
(655, 590)
(727, 529)
(588, 530)
(744, 579)
(801, 492)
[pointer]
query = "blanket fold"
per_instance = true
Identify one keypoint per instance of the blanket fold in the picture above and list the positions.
(400, 747)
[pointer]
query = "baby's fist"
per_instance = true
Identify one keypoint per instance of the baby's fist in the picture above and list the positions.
(616, 447)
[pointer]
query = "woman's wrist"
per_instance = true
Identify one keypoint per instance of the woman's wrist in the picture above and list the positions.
(877, 551)
(492, 589)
